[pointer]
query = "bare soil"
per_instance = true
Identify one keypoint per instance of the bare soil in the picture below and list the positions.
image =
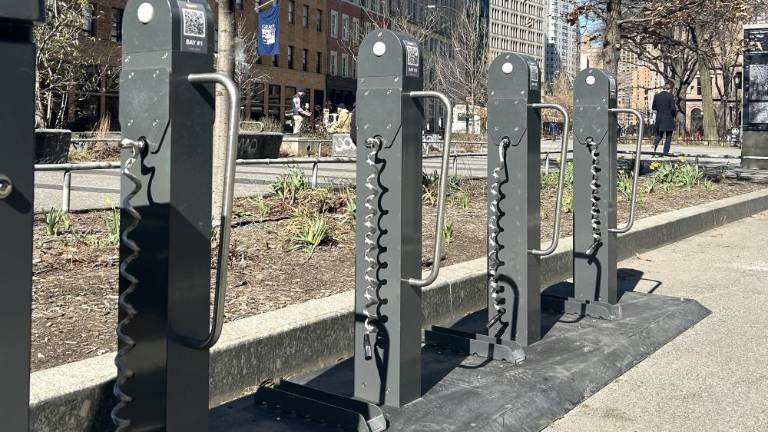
(76, 273)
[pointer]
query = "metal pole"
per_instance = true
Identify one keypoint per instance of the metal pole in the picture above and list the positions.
(66, 191)
(17, 113)
(315, 169)
(546, 164)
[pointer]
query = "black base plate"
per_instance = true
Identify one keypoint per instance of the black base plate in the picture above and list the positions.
(577, 357)
(477, 344)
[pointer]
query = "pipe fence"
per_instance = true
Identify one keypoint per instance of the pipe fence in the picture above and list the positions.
(549, 158)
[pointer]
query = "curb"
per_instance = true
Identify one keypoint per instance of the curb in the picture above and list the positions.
(316, 334)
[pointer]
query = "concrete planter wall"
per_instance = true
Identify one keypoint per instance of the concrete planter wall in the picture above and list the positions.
(316, 334)
(259, 145)
(52, 146)
(343, 145)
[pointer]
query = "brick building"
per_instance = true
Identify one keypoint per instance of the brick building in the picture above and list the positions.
(301, 64)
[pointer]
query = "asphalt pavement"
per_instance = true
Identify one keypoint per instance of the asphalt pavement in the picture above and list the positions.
(101, 188)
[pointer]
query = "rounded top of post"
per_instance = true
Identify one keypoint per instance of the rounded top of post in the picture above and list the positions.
(511, 73)
(387, 53)
(164, 25)
(594, 85)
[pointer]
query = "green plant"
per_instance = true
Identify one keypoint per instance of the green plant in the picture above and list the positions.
(263, 207)
(288, 186)
(677, 174)
(350, 206)
(56, 222)
(112, 219)
(309, 233)
(549, 181)
(567, 201)
(459, 199)
(455, 183)
(89, 240)
(624, 185)
(447, 233)
(430, 184)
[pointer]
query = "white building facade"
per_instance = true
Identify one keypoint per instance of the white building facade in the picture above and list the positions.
(517, 26)
(563, 41)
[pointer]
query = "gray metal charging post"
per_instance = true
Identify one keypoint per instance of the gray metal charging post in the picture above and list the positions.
(594, 204)
(514, 213)
(388, 274)
(166, 116)
(17, 159)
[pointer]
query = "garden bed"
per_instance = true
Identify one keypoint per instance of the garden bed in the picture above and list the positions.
(76, 259)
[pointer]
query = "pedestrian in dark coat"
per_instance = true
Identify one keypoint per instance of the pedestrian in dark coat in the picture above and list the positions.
(666, 110)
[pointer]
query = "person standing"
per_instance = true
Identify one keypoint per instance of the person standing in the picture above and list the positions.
(298, 113)
(666, 110)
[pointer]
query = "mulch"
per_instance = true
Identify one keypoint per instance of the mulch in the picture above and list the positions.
(75, 280)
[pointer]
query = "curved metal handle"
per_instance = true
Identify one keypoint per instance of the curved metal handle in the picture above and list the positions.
(438, 251)
(220, 291)
(638, 155)
(561, 180)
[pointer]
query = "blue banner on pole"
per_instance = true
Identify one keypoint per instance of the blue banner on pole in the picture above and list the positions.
(269, 32)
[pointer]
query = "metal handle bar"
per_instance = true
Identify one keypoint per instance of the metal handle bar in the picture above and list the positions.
(226, 206)
(561, 180)
(638, 155)
(438, 251)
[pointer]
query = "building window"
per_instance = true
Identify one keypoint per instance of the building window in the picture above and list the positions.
(319, 18)
(356, 30)
(89, 20)
(354, 68)
(345, 27)
(276, 60)
(274, 100)
(334, 24)
(344, 65)
(290, 57)
(319, 62)
(290, 92)
(305, 16)
(291, 11)
(333, 70)
(304, 60)
(117, 25)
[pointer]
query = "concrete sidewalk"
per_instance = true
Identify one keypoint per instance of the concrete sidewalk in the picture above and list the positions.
(713, 377)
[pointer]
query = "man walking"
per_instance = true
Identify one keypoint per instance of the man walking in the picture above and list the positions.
(298, 113)
(666, 110)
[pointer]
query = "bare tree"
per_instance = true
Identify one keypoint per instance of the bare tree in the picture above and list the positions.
(462, 71)
(247, 75)
(65, 66)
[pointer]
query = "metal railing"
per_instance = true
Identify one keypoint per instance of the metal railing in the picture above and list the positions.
(548, 159)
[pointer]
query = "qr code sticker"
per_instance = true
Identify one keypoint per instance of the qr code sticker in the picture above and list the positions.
(412, 53)
(194, 23)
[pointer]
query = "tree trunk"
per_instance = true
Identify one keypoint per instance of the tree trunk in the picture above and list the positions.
(225, 65)
(707, 101)
(612, 47)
